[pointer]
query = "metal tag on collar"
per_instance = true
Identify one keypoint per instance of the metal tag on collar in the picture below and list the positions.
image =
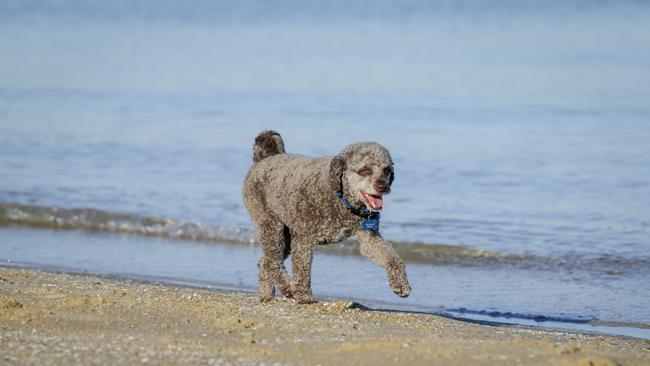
(372, 223)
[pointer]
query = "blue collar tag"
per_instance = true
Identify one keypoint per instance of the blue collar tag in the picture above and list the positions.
(372, 223)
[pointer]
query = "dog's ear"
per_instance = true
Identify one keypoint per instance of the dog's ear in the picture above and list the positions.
(337, 166)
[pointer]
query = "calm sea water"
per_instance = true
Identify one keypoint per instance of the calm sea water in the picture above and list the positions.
(519, 130)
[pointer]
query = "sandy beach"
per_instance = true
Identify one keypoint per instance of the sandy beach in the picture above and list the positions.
(63, 319)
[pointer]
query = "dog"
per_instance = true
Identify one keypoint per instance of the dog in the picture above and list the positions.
(299, 202)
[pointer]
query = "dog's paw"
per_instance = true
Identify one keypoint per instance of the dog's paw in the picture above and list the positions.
(402, 290)
(304, 299)
(265, 298)
(265, 293)
(397, 278)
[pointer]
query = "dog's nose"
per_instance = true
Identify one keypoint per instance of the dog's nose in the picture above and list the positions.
(381, 186)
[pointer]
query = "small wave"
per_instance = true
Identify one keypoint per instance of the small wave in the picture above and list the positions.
(468, 313)
(118, 222)
(442, 254)
(578, 323)
(413, 252)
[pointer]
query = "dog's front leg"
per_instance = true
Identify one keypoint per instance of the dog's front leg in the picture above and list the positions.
(375, 248)
(301, 258)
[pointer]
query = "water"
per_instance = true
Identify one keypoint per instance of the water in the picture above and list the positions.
(519, 132)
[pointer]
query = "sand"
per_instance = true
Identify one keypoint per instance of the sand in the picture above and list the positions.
(64, 319)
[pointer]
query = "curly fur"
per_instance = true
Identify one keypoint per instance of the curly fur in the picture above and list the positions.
(293, 204)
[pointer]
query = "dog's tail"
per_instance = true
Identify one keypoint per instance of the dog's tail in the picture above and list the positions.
(267, 143)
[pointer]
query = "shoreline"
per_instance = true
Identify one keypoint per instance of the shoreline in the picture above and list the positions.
(59, 318)
(588, 327)
(503, 295)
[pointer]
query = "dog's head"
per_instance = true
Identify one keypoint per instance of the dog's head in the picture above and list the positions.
(364, 172)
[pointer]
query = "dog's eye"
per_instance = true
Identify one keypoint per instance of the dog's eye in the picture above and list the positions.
(365, 171)
(388, 170)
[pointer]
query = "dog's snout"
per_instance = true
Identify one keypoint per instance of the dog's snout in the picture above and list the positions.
(381, 186)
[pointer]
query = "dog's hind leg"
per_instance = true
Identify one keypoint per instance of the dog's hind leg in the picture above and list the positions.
(272, 271)
(301, 259)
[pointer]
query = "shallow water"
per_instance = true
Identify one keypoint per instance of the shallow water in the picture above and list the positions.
(449, 291)
(519, 132)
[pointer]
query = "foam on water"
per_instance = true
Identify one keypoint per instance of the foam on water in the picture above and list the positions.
(413, 252)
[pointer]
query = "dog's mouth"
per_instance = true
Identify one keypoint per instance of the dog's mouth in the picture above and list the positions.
(373, 201)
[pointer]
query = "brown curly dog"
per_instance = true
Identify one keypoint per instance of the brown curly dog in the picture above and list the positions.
(298, 202)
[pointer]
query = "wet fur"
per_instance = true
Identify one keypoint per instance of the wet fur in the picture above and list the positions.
(293, 204)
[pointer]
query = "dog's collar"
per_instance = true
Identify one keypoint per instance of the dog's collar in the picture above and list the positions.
(371, 219)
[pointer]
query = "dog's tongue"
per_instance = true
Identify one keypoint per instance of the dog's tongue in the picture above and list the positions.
(375, 202)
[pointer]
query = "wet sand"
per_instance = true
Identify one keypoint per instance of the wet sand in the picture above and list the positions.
(63, 319)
